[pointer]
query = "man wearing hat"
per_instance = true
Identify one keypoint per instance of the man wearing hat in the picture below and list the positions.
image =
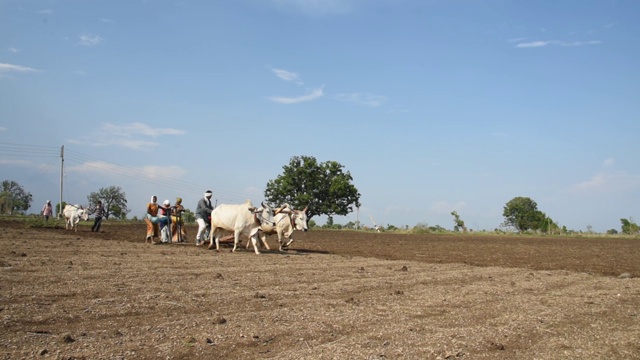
(203, 216)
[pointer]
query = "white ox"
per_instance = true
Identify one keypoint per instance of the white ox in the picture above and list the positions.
(287, 220)
(73, 214)
(242, 219)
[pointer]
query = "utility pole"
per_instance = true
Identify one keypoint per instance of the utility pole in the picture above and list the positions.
(61, 180)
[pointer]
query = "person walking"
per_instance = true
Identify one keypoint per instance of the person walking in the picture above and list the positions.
(151, 218)
(178, 231)
(47, 210)
(203, 216)
(98, 212)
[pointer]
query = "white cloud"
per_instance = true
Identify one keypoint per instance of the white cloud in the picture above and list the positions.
(370, 100)
(138, 128)
(13, 50)
(131, 136)
(608, 180)
(314, 94)
(288, 76)
(15, 162)
(533, 44)
(609, 162)
(317, 7)
(543, 43)
(598, 181)
(168, 172)
(7, 68)
(89, 40)
(517, 40)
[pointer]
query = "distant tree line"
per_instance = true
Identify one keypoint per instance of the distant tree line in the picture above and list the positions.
(325, 189)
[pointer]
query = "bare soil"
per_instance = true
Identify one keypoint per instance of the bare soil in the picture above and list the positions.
(333, 295)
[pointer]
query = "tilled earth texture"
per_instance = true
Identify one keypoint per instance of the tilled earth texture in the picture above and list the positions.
(333, 295)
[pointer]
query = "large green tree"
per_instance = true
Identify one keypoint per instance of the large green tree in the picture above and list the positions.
(14, 199)
(522, 213)
(113, 199)
(322, 187)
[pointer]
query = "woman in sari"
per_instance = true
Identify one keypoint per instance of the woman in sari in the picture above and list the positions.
(178, 230)
(151, 218)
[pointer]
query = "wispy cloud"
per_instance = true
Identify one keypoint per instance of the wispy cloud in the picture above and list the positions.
(138, 128)
(365, 99)
(543, 43)
(7, 69)
(517, 40)
(131, 136)
(288, 76)
(317, 7)
(45, 12)
(15, 162)
(149, 172)
(608, 180)
(312, 95)
(2, 129)
(13, 50)
(89, 40)
(598, 181)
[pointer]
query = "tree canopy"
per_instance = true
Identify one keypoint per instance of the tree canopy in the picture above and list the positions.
(458, 222)
(522, 213)
(629, 226)
(114, 201)
(14, 199)
(322, 187)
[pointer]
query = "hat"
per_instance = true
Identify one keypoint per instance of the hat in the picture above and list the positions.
(208, 193)
(178, 200)
(48, 201)
(166, 202)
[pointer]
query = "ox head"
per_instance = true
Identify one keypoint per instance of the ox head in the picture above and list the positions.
(83, 214)
(264, 214)
(300, 219)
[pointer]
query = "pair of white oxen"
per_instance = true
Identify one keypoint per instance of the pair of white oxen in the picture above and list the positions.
(256, 223)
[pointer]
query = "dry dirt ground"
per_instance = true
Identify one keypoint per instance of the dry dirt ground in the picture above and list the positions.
(334, 295)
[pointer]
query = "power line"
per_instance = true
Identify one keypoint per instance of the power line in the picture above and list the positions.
(74, 158)
(138, 174)
(9, 149)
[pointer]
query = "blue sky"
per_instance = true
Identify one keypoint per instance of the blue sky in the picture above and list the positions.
(431, 105)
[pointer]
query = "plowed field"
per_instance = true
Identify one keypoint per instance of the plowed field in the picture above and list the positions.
(333, 295)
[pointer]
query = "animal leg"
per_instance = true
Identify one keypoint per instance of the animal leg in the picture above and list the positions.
(263, 239)
(212, 236)
(236, 237)
(286, 246)
(254, 240)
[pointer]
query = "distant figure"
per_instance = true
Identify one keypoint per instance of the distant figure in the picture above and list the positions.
(99, 213)
(203, 216)
(164, 221)
(47, 210)
(178, 230)
(151, 218)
